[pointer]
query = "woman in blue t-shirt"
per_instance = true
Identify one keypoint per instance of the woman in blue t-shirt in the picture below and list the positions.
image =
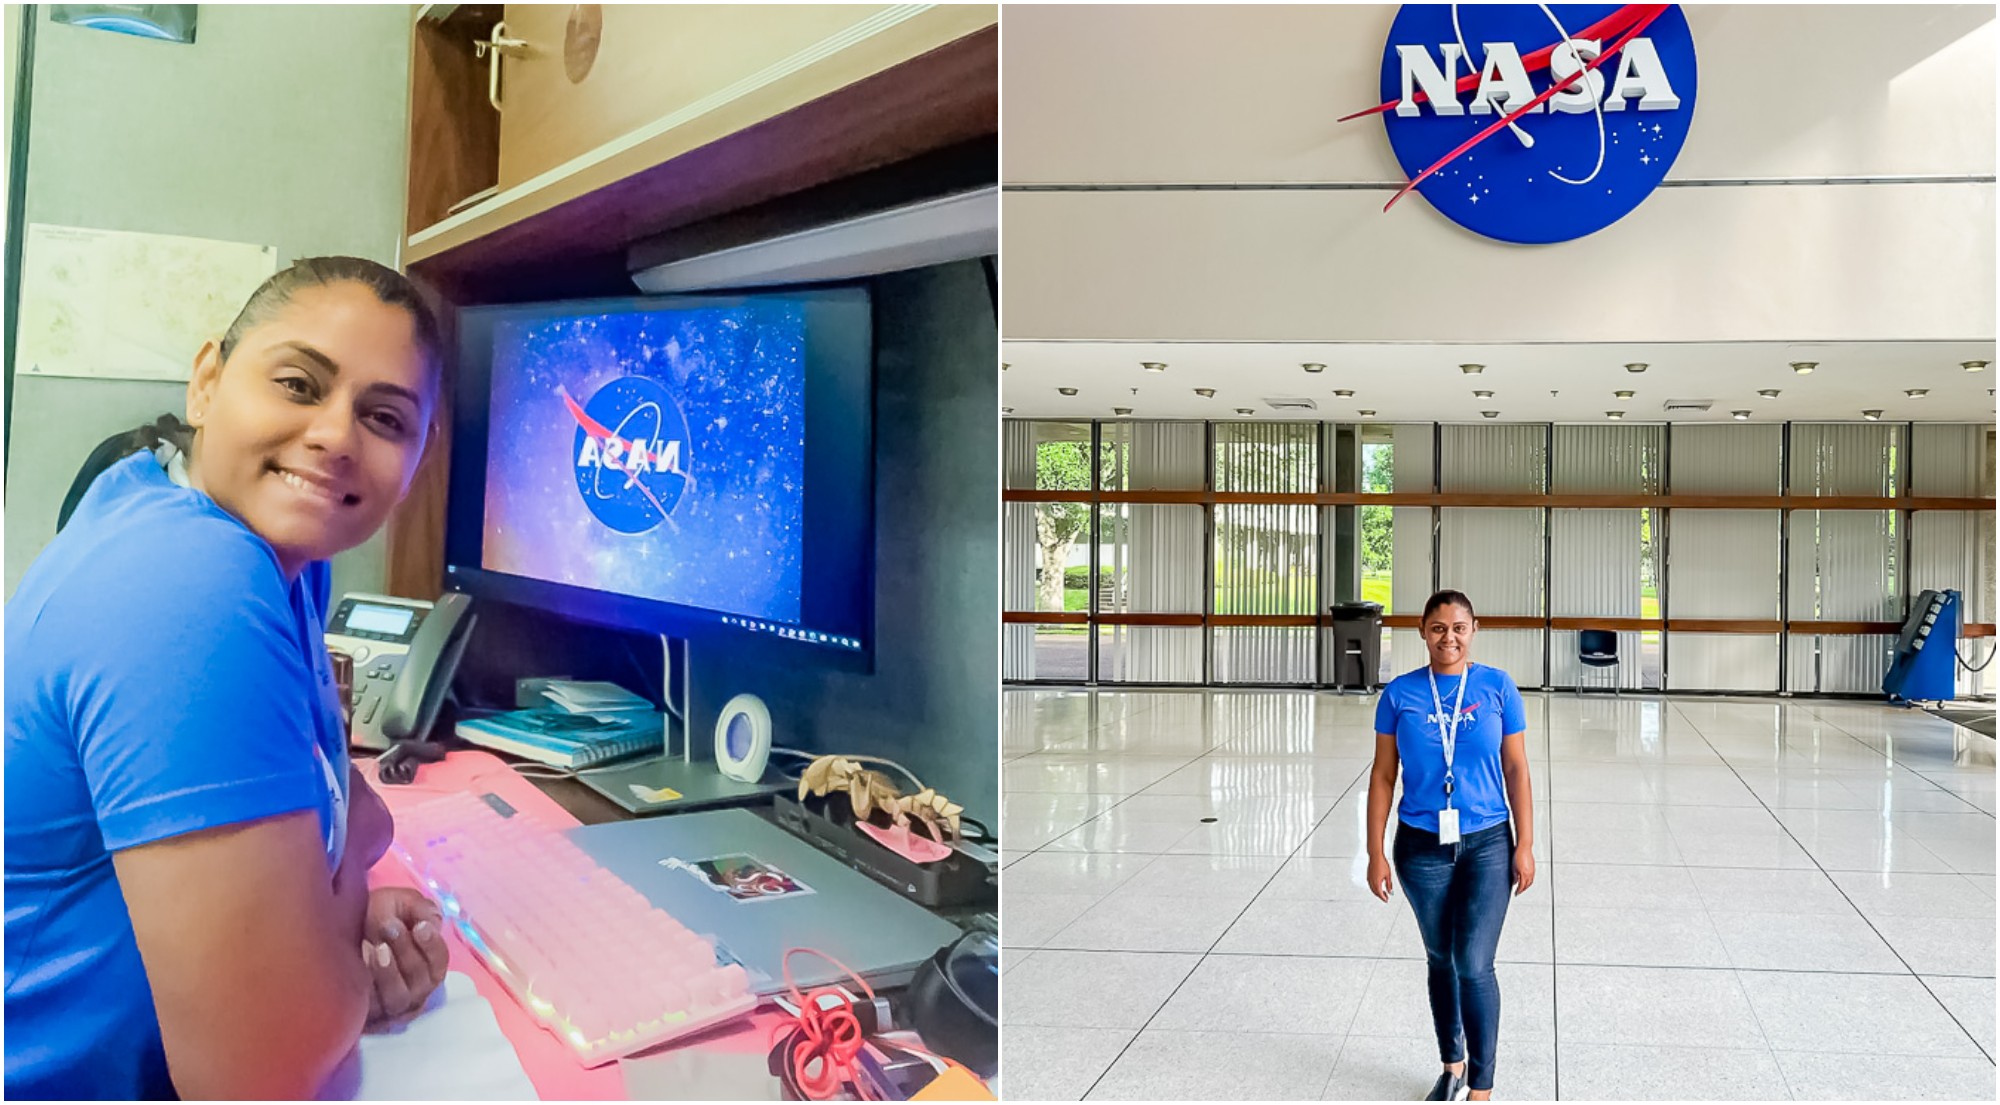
(187, 847)
(1458, 731)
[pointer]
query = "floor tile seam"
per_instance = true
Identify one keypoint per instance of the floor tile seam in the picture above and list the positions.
(1953, 1014)
(1731, 966)
(1893, 950)
(1760, 970)
(1219, 938)
(1899, 763)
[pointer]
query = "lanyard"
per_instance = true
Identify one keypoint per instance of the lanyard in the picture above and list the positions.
(1448, 729)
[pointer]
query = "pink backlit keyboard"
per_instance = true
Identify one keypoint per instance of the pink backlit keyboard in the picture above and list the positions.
(601, 967)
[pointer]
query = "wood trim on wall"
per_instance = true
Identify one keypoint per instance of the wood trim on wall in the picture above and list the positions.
(1843, 629)
(1044, 617)
(1723, 625)
(1618, 625)
(1466, 499)
(1977, 629)
(1154, 620)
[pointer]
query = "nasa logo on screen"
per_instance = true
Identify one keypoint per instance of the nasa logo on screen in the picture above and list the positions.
(631, 451)
(743, 738)
(1583, 155)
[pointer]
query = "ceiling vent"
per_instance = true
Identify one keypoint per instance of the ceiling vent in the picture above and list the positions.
(1674, 406)
(1291, 404)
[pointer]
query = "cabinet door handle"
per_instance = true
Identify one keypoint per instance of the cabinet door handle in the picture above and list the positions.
(491, 49)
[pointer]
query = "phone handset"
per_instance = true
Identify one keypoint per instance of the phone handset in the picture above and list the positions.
(427, 670)
(404, 652)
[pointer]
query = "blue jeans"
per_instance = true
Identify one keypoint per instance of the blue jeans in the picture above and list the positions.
(1459, 893)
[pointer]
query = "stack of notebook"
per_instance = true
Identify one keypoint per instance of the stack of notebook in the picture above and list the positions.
(582, 724)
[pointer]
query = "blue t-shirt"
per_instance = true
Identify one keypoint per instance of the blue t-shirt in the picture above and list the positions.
(1492, 709)
(162, 678)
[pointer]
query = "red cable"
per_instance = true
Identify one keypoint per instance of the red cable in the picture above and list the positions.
(829, 1037)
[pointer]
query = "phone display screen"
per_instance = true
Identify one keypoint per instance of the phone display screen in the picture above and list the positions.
(393, 620)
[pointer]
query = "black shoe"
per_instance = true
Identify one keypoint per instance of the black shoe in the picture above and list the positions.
(1450, 1087)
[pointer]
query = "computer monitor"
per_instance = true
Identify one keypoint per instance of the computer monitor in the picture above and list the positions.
(680, 465)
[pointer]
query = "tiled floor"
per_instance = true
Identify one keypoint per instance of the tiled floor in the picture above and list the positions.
(1736, 898)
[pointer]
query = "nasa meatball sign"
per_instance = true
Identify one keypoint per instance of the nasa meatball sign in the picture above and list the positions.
(1536, 123)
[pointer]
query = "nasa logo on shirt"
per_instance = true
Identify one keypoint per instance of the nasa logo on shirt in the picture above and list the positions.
(1582, 156)
(631, 453)
(1464, 715)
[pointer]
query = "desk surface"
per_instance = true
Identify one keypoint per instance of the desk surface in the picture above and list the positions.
(549, 1065)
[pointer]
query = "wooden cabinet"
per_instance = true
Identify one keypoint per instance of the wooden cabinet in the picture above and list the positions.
(599, 93)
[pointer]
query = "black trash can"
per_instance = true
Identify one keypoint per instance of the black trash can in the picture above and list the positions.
(1357, 645)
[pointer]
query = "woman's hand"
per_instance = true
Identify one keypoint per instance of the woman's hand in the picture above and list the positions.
(1379, 882)
(402, 942)
(1524, 868)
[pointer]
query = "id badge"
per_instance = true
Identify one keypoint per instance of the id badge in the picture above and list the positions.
(1448, 826)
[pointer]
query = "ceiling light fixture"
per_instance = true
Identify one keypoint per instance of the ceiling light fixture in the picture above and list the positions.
(1472, 369)
(1067, 391)
(1489, 414)
(1804, 368)
(1153, 366)
(1006, 410)
(1482, 395)
(1344, 393)
(1121, 410)
(1973, 366)
(1740, 416)
(1636, 366)
(1246, 410)
(1614, 415)
(1917, 393)
(1366, 414)
(1004, 366)
(1313, 366)
(1624, 394)
(1767, 393)
(1205, 393)
(1872, 416)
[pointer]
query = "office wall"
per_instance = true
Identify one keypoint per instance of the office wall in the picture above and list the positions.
(932, 702)
(279, 125)
(1249, 96)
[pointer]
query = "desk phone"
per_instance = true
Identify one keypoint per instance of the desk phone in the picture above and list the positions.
(405, 652)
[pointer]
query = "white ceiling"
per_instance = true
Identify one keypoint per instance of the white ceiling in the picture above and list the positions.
(1417, 382)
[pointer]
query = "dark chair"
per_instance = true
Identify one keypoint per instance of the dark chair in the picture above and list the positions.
(1598, 648)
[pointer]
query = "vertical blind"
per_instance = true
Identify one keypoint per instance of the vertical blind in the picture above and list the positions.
(1234, 558)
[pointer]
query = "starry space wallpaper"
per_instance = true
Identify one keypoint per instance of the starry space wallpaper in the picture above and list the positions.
(713, 515)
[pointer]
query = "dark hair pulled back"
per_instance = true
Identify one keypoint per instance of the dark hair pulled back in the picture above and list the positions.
(1448, 598)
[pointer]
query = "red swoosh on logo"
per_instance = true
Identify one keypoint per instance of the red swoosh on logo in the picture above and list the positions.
(1650, 13)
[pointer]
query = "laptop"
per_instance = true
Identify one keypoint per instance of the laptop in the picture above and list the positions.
(758, 890)
(669, 784)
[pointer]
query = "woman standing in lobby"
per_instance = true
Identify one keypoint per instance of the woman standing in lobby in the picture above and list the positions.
(1458, 733)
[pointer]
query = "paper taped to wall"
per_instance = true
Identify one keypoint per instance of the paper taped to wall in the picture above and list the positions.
(119, 305)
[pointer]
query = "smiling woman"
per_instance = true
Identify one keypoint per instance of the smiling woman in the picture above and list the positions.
(187, 847)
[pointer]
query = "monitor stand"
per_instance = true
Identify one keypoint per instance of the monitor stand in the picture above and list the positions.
(667, 783)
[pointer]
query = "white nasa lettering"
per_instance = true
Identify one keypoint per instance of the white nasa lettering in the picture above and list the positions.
(1504, 79)
(639, 455)
(1567, 61)
(1641, 74)
(1440, 86)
